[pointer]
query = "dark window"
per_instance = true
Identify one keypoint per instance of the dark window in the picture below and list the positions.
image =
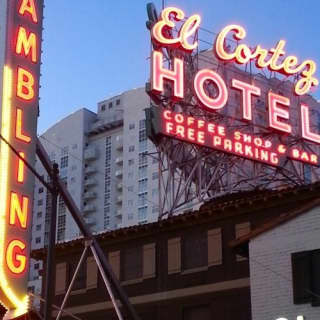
(40, 202)
(38, 239)
(110, 105)
(64, 162)
(39, 214)
(131, 148)
(36, 266)
(131, 126)
(103, 107)
(38, 227)
(196, 313)
(131, 263)
(117, 102)
(81, 278)
(195, 250)
(40, 190)
(306, 277)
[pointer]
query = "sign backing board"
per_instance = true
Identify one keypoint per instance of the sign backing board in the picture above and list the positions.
(20, 54)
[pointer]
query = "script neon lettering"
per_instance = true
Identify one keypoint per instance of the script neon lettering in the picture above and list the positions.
(162, 30)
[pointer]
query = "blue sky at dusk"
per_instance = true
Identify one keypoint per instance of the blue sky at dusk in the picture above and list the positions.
(98, 48)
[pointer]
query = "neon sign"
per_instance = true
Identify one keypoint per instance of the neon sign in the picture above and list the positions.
(162, 34)
(187, 128)
(19, 112)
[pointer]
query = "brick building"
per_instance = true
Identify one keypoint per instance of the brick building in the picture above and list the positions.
(182, 267)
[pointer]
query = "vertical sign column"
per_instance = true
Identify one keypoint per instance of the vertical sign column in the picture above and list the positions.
(19, 112)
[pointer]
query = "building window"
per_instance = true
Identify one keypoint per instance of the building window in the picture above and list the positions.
(38, 227)
(38, 239)
(103, 107)
(110, 105)
(143, 185)
(143, 172)
(142, 124)
(305, 277)
(155, 160)
(118, 102)
(131, 148)
(131, 162)
(142, 135)
(40, 202)
(64, 162)
(131, 126)
(36, 266)
(143, 159)
(155, 175)
(196, 313)
(142, 199)
(39, 214)
(40, 190)
(142, 214)
(197, 243)
(131, 266)
(81, 278)
(130, 216)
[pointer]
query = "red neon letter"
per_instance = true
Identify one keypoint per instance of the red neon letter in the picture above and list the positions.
(305, 125)
(275, 112)
(27, 43)
(25, 84)
(210, 103)
(29, 6)
(17, 212)
(16, 258)
(159, 74)
(19, 134)
(247, 91)
(21, 168)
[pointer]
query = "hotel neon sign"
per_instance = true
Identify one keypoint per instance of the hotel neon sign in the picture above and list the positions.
(191, 129)
(19, 112)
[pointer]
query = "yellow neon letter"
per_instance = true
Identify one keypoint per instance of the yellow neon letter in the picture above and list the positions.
(17, 211)
(27, 43)
(16, 259)
(25, 84)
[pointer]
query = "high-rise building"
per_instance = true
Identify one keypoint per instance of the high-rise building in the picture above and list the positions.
(109, 166)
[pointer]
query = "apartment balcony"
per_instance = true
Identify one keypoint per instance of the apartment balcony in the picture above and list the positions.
(119, 143)
(119, 213)
(120, 186)
(90, 221)
(90, 154)
(90, 195)
(119, 160)
(90, 169)
(89, 208)
(90, 182)
(119, 199)
(119, 173)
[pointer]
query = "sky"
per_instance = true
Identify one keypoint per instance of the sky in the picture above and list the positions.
(95, 49)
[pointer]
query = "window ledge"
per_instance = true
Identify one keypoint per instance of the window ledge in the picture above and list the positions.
(132, 281)
(79, 291)
(194, 270)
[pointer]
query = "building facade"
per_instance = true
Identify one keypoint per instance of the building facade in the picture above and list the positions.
(109, 167)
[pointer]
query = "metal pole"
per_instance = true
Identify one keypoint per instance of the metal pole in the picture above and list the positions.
(106, 282)
(76, 215)
(50, 268)
(72, 281)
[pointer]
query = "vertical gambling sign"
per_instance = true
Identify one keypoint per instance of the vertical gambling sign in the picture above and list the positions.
(19, 112)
